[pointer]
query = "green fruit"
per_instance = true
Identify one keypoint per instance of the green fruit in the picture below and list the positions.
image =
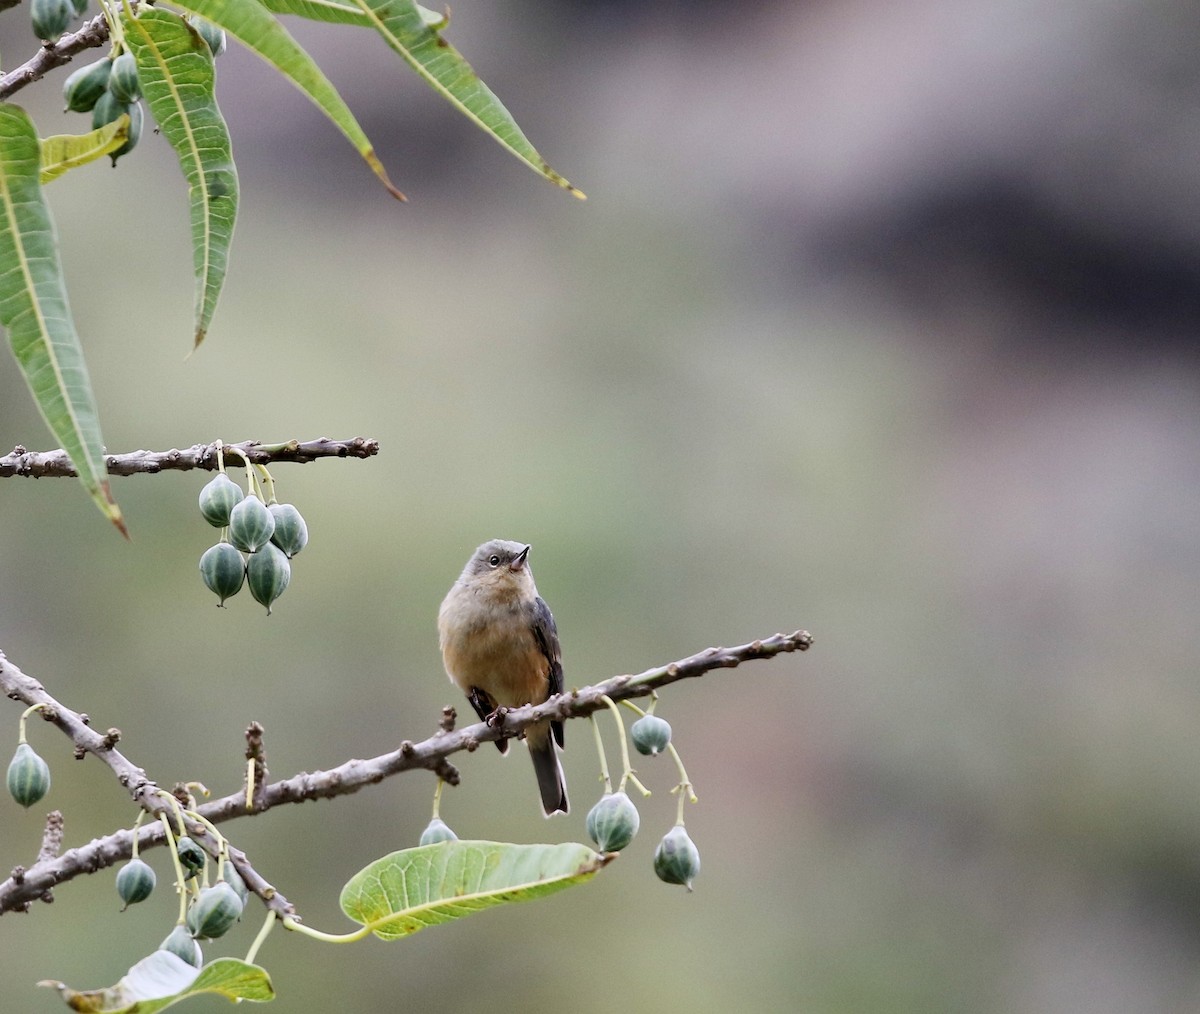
(50, 17)
(268, 574)
(136, 117)
(124, 80)
(214, 911)
(677, 860)
(85, 86)
(28, 776)
(437, 831)
(135, 882)
(613, 822)
(106, 109)
(251, 525)
(181, 944)
(223, 569)
(234, 879)
(219, 496)
(291, 533)
(79, 5)
(191, 856)
(650, 735)
(210, 33)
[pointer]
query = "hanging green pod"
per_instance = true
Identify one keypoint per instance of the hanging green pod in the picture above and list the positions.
(251, 525)
(136, 118)
(214, 911)
(218, 497)
(50, 18)
(223, 570)
(677, 860)
(437, 831)
(210, 33)
(268, 574)
(123, 82)
(613, 822)
(28, 776)
(291, 531)
(135, 882)
(82, 88)
(650, 735)
(181, 944)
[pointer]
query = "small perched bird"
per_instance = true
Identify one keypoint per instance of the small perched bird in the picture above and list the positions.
(500, 647)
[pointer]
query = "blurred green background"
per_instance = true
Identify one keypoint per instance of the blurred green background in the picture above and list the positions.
(880, 321)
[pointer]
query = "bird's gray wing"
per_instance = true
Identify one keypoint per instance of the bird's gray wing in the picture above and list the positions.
(546, 634)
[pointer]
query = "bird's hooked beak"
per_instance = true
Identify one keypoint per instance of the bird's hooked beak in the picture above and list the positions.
(519, 559)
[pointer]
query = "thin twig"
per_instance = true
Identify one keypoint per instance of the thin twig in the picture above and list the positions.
(430, 754)
(256, 762)
(52, 837)
(57, 463)
(91, 35)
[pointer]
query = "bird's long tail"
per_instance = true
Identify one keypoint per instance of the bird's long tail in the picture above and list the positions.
(551, 783)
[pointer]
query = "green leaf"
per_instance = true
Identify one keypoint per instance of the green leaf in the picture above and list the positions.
(34, 310)
(163, 979)
(255, 27)
(421, 45)
(409, 890)
(341, 13)
(61, 152)
(414, 31)
(319, 10)
(175, 68)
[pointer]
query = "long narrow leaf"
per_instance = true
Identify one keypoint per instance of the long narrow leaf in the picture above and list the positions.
(331, 11)
(34, 310)
(443, 68)
(175, 69)
(255, 27)
(61, 152)
(341, 13)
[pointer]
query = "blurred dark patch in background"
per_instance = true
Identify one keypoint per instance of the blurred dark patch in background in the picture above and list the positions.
(1066, 285)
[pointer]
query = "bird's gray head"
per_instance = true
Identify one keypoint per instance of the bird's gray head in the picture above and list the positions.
(499, 556)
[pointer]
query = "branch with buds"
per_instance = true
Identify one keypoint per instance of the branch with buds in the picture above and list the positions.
(55, 54)
(57, 464)
(28, 885)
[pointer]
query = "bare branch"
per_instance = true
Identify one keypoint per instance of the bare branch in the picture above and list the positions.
(56, 464)
(430, 754)
(91, 35)
(20, 687)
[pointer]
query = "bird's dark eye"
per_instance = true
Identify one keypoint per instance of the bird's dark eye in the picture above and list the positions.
(494, 560)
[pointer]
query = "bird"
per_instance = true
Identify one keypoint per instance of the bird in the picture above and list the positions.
(500, 647)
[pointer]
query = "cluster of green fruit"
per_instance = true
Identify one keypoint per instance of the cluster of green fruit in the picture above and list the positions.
(269, 533)
(613, 821)
(212, 911)
(109, 88)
